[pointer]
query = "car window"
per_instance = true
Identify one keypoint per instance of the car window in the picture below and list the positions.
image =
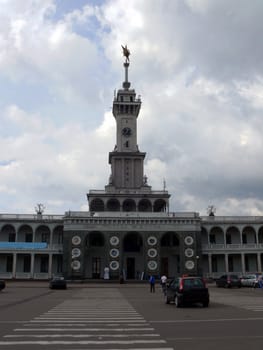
(193, 283)
(174, 283)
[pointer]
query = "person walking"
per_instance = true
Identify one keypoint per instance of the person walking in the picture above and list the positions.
(163, 283)
(152, 284)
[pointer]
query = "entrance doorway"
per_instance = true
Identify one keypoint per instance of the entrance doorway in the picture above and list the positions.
(130, 268)
(96, 264)
(164, 266)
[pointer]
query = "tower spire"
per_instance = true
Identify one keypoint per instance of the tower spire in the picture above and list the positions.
(126, 53)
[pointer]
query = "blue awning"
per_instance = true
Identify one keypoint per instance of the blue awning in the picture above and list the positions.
(22, 245)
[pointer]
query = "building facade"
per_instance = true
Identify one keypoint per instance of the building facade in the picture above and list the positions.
(129, 230)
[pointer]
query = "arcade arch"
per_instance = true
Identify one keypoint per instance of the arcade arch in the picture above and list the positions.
(233, 235)
(129, 205)
(145, 205)
(159, 205)
(216, 235)
(8, 233)
(113, 205)
(25, 234)
(97, 204)
(248, 235)
(42, 234)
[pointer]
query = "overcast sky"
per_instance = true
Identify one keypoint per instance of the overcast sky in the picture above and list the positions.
(198, 66)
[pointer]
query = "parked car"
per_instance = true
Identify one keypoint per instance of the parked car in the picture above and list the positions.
(2, 284)
(228, 281)
(58, 283)
(252, 280)
(187, 290)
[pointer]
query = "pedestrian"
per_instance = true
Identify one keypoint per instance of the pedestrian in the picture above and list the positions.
(152, 284)
(163, 283)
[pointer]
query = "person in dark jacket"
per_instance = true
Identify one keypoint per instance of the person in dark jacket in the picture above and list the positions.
(152, 284)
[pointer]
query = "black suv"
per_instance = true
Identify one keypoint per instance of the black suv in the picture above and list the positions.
(228, 281)
(187, 290)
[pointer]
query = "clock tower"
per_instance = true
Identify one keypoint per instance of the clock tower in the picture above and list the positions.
(126, 160)
(127, 189)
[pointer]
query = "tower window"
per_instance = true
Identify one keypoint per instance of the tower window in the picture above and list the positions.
(127, 109)
(127, 144)
(121, 98)
(131, 98)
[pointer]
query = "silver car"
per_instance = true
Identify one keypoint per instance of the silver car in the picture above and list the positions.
(251, 280)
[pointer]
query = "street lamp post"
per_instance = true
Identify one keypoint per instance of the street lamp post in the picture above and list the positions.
(197, 264)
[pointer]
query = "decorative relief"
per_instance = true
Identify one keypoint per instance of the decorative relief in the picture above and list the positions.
(189, 264)
(114, 253)
(75, 265)
(152, 252)
(152, 240)
(189, 252)
(76, 240)
(114, 265)
(75, 253)
(188, 240)
(114, 240)
(152, 265)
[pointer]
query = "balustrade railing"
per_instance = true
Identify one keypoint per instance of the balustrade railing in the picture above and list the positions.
(239, 246)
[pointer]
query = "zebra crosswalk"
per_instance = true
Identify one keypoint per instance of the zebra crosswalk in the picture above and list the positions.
(93, 319)
(253, 307)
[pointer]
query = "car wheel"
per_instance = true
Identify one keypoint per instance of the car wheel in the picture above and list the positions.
(205, 303)
(177, 301)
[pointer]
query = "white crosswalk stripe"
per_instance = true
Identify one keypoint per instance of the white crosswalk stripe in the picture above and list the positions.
(93, 319)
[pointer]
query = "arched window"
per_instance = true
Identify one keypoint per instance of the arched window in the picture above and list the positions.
(113, 205)
(96, 239)
(8, 233)
(129, 205)
(145, 205)
(170, 239)
(132, 242)
(97, 205)
(159, 205)
(43, 234)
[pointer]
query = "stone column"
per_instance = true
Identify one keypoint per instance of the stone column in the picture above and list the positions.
(243, 266)
(259, 262)
(14, 265)
(226, 263)
(50, 256)
(210, 264)
(32, 265)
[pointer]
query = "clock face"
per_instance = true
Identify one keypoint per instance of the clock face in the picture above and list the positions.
(126, 131)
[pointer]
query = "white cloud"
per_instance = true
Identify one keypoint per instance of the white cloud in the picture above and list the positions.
(197, 65)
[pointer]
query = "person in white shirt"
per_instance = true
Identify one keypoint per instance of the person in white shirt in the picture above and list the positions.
(163, 283)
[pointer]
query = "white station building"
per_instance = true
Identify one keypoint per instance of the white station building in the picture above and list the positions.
(129, 230)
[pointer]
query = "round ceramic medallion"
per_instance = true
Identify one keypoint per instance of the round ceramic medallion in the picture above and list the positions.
(152, 253)
(152, 240)
(76, 240)
(114, 240)
(189, 252)
(152, 265)
(114, 265)
(114, 253)
(75, 252)
(75, 265)
(188, 240)
(189, 265)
